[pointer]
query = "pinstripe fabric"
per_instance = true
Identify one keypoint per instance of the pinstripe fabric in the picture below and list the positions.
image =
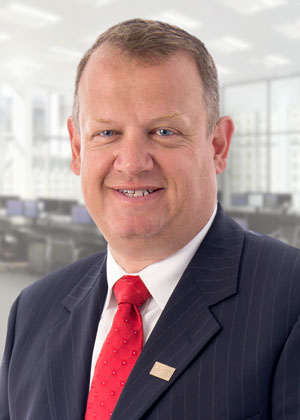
(230, 329)
(51, 333)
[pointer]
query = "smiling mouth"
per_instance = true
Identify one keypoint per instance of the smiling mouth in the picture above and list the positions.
(136, 193)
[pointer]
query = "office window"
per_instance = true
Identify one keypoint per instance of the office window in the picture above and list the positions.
(35, 151)
(11, 147)
(265, 150)
(5, 114)
(39, 113)
(285, 105)
(52, 154)
(247, 104)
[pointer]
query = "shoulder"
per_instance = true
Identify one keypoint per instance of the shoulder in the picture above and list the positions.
(60, 283)
(270, 270)
(270, 257)
(262, 244)
(43, 303)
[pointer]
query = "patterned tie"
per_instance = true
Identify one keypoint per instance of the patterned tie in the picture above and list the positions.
(120, 350)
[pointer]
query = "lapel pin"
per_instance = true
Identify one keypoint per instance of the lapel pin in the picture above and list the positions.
(162, 371)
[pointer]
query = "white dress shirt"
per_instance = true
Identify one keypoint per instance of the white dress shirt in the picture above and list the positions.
(160, 279)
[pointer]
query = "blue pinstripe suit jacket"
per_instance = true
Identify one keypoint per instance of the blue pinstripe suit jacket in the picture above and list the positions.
(231, 329)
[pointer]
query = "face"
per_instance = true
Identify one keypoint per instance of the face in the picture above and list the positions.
(147, 164)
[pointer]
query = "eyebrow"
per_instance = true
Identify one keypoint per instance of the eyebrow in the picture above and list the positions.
(163, 117)
(167, 116)
(103, 120)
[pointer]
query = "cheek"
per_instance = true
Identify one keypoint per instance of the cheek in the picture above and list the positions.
(93, 163)
(90, 178)
(199, 179)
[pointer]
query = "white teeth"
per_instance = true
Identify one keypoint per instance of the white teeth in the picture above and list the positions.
(136, 193)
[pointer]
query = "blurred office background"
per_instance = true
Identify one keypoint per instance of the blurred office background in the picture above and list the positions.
(43, 221)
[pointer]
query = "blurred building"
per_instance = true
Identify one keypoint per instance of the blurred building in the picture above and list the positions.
(265, 150)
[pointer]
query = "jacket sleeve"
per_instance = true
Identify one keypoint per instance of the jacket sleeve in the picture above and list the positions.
(286, 385)
(4, 397)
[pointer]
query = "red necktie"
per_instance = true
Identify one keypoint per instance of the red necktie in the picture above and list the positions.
(120, 350)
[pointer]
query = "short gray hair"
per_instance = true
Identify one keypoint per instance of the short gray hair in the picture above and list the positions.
(153, 41)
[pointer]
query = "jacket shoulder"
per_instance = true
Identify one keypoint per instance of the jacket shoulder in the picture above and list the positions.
(67, 277)
(273, 267)
(267, 242)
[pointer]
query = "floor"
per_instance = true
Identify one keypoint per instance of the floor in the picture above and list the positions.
(12, 281)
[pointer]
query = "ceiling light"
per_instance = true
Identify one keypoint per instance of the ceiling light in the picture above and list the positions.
(179, 19)
(67, 53)
(229, 45)
(290, 30)
(4, 37)
(18, 13)
(24, 63)
(103, 2)
(97, 3)
(30, 11)
(247, 7)
(272, 60)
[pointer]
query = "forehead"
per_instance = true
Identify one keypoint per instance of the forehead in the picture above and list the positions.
(115, 83)
(109, 62)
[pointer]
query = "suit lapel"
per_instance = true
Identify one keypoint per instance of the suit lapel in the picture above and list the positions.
(187, 325)
(70, 343)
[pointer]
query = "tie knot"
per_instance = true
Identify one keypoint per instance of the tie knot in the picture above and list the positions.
(131, 289)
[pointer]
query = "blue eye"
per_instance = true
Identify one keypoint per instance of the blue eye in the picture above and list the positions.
(107, 133)
(164, 132)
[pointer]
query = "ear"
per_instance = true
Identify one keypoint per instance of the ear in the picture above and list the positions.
(75, 146)
(221, 141)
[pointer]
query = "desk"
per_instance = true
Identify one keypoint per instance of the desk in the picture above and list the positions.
(48, 246)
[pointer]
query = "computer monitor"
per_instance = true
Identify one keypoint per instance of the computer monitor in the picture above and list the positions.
(270, 201)
(31, 209)
(80, 215)
(5, 198)
(14, 208)
(239, 199)
(276, 200)
(48, 205)
(65, 206)
(284, 198)
(255, 200)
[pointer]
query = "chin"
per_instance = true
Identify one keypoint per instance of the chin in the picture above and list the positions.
(141, 231)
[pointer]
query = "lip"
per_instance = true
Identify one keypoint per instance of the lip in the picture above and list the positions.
(135, 187)
(136, 200)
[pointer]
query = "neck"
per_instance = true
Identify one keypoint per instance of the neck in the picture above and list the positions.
(136, 261)
(135, 255)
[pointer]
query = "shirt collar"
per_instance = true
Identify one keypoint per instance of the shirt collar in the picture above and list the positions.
(162, 277)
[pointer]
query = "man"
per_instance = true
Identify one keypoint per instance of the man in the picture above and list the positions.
(220, 321)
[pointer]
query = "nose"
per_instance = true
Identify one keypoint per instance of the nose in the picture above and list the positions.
(134, 155)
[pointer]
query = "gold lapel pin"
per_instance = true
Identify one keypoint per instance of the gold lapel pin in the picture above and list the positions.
(162, 371)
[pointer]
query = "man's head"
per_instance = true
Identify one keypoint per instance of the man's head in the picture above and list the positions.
(147, 146)
(152, 42)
